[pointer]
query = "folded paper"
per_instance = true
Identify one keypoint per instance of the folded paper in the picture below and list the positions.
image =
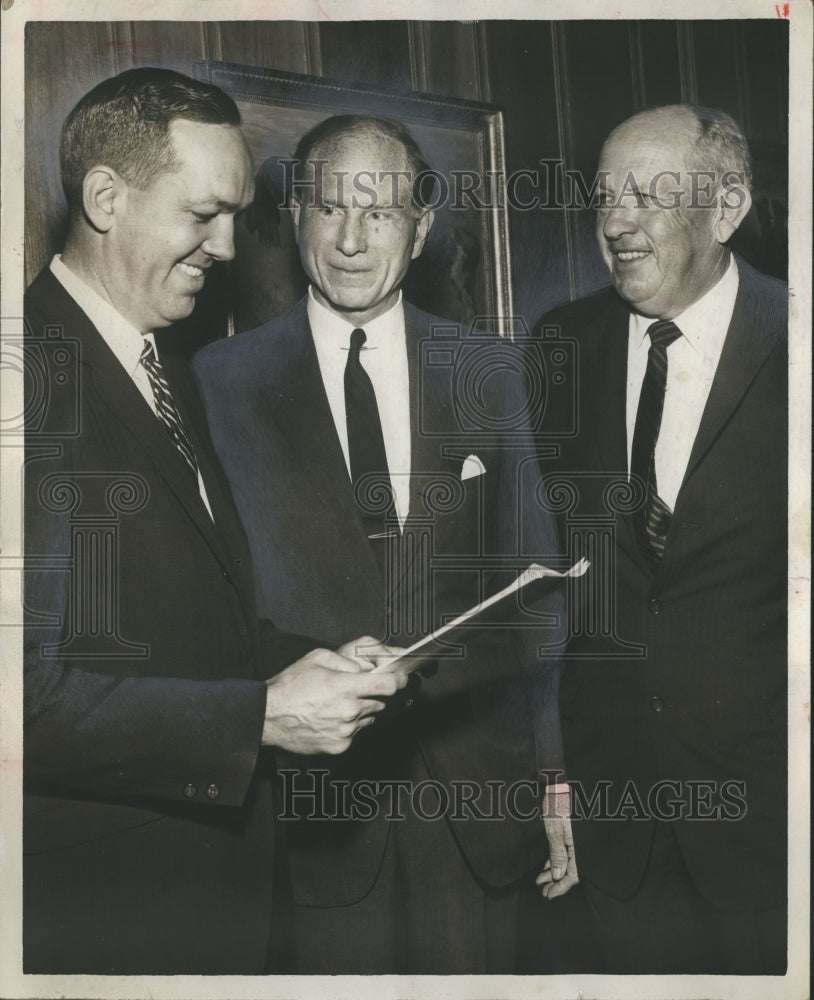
(459, 629)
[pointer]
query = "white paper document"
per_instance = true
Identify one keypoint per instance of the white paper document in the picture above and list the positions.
(454, 631)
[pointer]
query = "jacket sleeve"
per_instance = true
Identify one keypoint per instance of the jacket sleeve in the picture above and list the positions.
(279, 650)
(92, 734)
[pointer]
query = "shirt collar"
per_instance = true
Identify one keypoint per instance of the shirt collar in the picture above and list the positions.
(121, 336)
(704, 323)
(381, 332)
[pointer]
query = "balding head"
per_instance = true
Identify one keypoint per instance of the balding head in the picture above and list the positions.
(708, 138)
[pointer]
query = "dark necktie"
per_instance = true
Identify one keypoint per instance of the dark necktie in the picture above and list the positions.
(652, 520)
(368, 458)
(165, 406)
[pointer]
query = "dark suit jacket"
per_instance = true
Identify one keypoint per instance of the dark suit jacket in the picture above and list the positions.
(686, 679)
(147, 831)
(315, 570)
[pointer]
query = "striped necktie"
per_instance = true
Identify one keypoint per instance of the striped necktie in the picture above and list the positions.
(165, 406)
(652, 520)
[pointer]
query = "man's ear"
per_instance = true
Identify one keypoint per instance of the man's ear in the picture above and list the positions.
(733, 206)
(102, 188)
(295, 208)
(422, 230)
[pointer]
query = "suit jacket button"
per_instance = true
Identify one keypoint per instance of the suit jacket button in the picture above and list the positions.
(212, 792)
(409, 703)
(654, 606)
(657, 704)
(190, 791)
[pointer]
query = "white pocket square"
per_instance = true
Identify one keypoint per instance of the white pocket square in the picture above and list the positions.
(472, 467)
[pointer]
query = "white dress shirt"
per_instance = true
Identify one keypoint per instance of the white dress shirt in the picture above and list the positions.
(384, 358)
(123, 339)
(691, 363)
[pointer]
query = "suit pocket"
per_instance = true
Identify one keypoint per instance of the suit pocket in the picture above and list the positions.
(454, 508)
(53, 824)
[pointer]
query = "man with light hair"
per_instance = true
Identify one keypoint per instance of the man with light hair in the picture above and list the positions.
(678, 714)
(381, 462)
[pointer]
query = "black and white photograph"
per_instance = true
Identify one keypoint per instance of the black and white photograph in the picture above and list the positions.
(405, 427)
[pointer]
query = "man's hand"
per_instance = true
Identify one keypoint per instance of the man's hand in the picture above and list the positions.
(319, 703)
(560, 871)
(367, 653)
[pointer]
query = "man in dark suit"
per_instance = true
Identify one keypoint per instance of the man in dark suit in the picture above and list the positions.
(673, 699)
(401, 446)
(148, 825)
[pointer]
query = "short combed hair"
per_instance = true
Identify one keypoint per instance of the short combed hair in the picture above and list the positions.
(332, 130)
(124, 123)
(721, 145)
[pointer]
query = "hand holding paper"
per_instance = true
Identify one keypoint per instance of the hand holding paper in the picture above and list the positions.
(319, 703)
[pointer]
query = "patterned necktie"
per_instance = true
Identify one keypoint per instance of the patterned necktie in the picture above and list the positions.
(652, 520)
(165, 407)
(368, 458)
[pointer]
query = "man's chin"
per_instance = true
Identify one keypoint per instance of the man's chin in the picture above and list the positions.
(182, 308)
(351, 301)
(636, 293)
(356, 308)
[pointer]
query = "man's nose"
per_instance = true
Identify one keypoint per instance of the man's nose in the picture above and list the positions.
(352, 238)
(618, 221)
(220, 240)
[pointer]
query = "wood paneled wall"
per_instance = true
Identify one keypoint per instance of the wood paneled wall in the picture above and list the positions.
(562, 85)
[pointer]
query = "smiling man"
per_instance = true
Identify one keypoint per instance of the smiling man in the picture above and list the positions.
(658, 234)
(152, 691)
(359, 228)
(379, 483)
(155, 227)
(678, 709)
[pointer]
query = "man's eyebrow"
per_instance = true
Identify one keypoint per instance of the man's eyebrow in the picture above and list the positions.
(212, 205)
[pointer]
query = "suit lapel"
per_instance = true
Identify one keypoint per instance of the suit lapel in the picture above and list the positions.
(609, 389)
(439, 446)
(125, 405)
(225, 525)
(107, 380)
(431, 412)
(298, 407)
(610, 414)
(752, 335)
